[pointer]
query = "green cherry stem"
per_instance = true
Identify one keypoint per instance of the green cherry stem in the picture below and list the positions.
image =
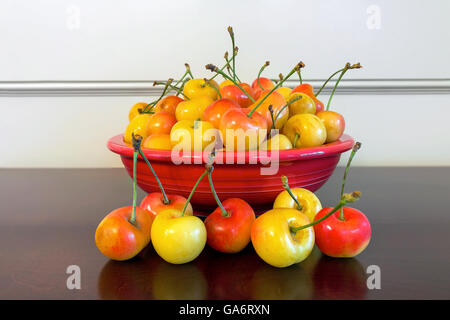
(274, 88)
(355, 148)
(152, 104)
(295, 139)
(259, 73)
(211, 160)
(286, 187)
(325, 83)
(346, 198)
(136, 145)
(213, 190)
(231, 32)
(347, 67)
(178, 90)
(208, 83)
(213, 68)
(165, 199)
(281, 110)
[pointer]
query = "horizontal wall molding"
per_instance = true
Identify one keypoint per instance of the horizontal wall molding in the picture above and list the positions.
(146, 88)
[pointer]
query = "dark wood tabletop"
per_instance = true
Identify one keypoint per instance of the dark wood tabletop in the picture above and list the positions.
(48, 219)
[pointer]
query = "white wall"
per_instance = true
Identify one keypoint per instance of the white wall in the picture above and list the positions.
(401, 43)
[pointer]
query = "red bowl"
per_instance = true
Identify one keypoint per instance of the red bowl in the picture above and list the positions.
(307, 168)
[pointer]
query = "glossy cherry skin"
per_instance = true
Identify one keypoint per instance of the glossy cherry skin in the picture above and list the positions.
(230, 234)
(168, 104)
(235, 119)
(234, 93)
(154, 203)
(307, 89)
(277, 101)
(342, 238)
(161, 123)
(214, 112)
(334, 124)
(118, 239)
(136, 110)
(266, 83)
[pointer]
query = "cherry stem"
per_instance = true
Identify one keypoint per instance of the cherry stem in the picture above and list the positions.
(179, 90)
(325, 83)
(230, 31)
(259, 73)
(299, 72)
(346, 198)
(188, 70)
(208, 83)
(348, 66)
(211, 160)
(281, 110)
(213, 68)
(227, 64)
(165, 199)
(355, 148)
(213, 190)
(274, 88)
(136, 140)
(152, 104)
(286, 187)
(295, 139)
(272, 117)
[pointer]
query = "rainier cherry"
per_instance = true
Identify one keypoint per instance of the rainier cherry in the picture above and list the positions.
(342, 231)
(228, 227)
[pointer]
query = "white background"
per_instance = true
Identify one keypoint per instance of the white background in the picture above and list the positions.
(148, 40)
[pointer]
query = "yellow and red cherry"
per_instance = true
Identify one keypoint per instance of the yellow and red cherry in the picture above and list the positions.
(214, 112)
(228, 227)
(277, 101)
(193, 135)
(161, 123)
(139, 126)
(298, 198)
(155, 203)
(157, 141)
(177, 237)
(277, 142)
(192, 109)
(225, 83)
(304, 104)
(196, 88)
(168, 104)
(307, 89)
(234, 93)
(334, 124)
(274, 241)
(305, 130)
(285, 92)
(236, 122)
(261, 84)
(136, 109)
(343, 232)
(124, 232)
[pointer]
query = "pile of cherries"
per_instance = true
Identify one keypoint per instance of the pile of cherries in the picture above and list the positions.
(282, 236)
(197, 105)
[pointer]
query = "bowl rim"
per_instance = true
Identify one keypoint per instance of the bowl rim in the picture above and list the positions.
(345, 143)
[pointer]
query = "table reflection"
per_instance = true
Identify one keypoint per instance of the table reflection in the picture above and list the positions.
(214, 275)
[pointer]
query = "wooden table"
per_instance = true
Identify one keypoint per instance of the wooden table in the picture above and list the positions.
(48, 218)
